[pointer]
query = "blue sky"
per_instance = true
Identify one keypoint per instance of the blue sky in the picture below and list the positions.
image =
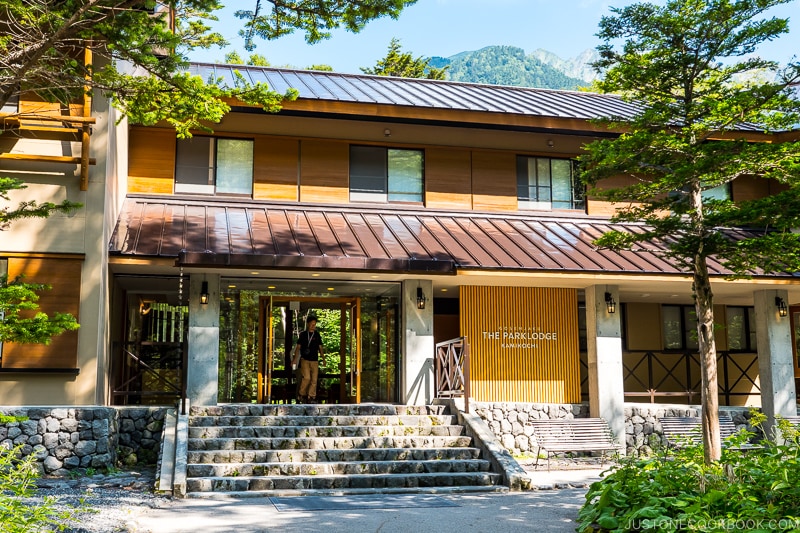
(447, 27)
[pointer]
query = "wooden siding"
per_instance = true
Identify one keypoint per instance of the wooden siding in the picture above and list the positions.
(64, 297)
(151, 161)
(448, 179)
(494, 181)
(643, 326)
(325, 171)
(505, 367)
(275, 174)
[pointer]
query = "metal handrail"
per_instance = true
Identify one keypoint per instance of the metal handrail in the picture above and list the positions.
(451, 370)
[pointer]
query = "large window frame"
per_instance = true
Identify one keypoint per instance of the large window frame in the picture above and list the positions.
(214, 166)
(387, 175)
(547, 183)
(740, 321)
(679, 328)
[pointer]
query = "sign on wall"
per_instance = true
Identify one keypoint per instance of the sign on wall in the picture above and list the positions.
(523, 343)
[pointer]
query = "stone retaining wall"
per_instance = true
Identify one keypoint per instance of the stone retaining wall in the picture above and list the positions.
(642, 430)
(68, 438)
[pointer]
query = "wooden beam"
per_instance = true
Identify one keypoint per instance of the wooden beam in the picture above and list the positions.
(47, 158)
(47, 118)
(85, 160)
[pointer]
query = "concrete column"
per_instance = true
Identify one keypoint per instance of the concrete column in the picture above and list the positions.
(775, 365)
(604, 336)
(416, 380)
(202, 372)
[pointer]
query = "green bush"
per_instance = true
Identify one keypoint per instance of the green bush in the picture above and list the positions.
(19, 513)
(750, 489)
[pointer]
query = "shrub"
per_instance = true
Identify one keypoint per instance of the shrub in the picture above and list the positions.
(19, 513)
(749, 489)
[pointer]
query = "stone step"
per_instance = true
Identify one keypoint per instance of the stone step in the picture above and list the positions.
(243, 432)
(463, 489)
(330, 443)
(350, 481)
(323, 420)
(314, 410)
(360, 454)
(335, 468)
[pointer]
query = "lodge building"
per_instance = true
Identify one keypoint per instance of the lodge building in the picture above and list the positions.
(408, 212)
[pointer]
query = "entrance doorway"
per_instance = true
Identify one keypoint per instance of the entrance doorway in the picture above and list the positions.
(358, 323)
(339, 325)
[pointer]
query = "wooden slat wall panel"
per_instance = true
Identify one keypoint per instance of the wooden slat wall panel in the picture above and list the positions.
(151, 160)
(64, 275)
(276, 167)
(325, 172)
(494, 181)
(523, 370)
(448, 179)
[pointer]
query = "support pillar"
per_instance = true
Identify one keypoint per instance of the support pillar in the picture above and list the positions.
(604, 336)
(202, 362)
(417, 385)
(775, 364)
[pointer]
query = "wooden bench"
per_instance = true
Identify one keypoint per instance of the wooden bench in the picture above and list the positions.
(564, 435)
(680, 430)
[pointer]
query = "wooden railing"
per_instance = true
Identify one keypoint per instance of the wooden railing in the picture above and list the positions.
(452, 370)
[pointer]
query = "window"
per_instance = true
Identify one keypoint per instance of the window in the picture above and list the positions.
(544, 183)
(208, 165)
(741, 328)
(679, 327)
(380, 174)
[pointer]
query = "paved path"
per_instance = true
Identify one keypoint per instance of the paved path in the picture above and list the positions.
(547, 511)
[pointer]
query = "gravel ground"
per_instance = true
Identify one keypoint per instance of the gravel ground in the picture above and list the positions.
(110, 500)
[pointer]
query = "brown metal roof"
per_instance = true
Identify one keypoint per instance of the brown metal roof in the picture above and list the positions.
(225, 233)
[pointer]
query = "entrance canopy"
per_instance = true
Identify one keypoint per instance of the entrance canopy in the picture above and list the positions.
(225, 234)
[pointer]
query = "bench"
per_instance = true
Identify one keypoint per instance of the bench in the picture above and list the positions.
(564, 435)
(680, 430)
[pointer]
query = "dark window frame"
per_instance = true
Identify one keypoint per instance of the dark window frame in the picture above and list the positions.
(214, 169)
(382, 195)
(577, 201)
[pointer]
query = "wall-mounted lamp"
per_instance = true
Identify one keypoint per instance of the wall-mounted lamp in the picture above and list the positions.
(611, 305)
(781, 305)
(550, 143)
(204, 293)
(421, 298)
(387, 132)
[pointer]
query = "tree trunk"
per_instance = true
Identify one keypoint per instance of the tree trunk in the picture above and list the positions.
(704, 307)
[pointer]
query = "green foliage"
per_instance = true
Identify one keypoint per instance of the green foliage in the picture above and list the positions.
(256, 60)
(17, 298)
(747, 490)
(138, 59)
(18, 512)
(404, 65)
(504, 65)
(28, 209)
(681, 64)
(315, 17)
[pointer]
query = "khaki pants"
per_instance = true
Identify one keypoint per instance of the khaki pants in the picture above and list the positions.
(309, 370)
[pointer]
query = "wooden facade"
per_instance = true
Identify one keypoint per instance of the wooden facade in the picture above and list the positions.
(291, 168)
(63, 275)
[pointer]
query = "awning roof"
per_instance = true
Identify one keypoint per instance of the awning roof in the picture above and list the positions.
(250, 234)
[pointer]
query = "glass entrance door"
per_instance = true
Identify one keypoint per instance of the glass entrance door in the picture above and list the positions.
(339, 326)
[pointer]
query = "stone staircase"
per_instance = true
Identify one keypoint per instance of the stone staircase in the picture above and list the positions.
(267, 450)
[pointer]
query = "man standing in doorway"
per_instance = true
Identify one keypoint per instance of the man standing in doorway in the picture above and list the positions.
(307, 354)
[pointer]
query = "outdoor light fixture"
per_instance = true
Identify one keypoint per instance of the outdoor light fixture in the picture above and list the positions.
(781, 305)
(611, 305)
(421, 298)
(204, 293)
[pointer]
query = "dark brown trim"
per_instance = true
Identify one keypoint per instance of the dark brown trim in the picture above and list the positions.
(69, 371)
(355, 264)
